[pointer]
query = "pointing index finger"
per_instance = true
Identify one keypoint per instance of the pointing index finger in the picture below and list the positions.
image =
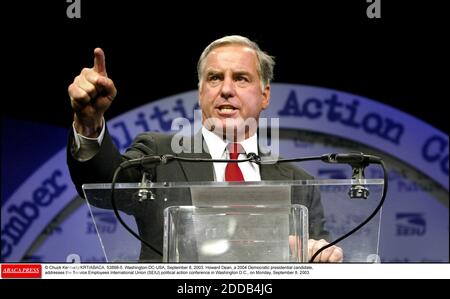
(99, 61)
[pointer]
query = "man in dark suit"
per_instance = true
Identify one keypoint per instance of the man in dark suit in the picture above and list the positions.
(234, 87)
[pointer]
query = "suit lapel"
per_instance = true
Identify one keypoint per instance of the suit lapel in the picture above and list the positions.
(196, 171)
(273, 172)
(276, 172)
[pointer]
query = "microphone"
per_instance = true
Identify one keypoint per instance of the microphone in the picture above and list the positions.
(254, 157)
(146, 161)
(350, 158)
(358, 162)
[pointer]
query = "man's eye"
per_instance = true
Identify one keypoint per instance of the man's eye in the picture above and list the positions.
(213, 78)
(242, 78)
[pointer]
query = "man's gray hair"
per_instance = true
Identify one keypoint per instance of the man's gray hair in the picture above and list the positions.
(265, 61)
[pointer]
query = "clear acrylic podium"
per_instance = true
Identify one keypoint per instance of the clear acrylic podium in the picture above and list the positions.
(232, 222)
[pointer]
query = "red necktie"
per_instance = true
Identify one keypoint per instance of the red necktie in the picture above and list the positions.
(232, 172)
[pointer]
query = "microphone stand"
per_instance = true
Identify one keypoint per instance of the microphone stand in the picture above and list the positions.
(358, 161)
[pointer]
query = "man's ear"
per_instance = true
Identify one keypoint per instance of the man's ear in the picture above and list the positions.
(198, 97)
(265, 97)
(199, 91)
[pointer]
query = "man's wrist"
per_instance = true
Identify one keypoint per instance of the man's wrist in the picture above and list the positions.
(84, 148)
(91, 130)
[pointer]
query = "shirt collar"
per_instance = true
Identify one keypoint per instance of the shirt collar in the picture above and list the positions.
(217, 145)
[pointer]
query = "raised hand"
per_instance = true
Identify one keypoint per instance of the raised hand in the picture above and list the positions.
(91, 94)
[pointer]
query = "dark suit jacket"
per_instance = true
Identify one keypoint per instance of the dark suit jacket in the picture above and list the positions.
(149, 214)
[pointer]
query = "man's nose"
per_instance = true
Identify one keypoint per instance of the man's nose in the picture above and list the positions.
(228, 89)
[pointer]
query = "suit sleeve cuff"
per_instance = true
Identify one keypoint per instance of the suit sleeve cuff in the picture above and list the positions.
(85, 148)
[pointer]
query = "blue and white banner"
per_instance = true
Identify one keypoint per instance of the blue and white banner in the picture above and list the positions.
(415, 216)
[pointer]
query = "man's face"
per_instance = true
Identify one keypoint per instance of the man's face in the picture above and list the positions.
(230, 91)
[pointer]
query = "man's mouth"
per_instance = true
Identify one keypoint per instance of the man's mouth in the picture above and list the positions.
(226, 109)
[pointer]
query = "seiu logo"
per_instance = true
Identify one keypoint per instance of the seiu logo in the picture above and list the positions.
(410, 224)
(106, 223)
